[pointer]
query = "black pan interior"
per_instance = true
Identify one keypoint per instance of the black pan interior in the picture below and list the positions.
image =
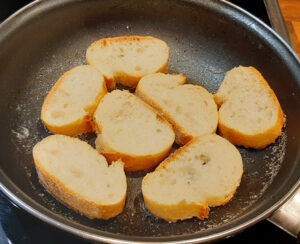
(206, 39)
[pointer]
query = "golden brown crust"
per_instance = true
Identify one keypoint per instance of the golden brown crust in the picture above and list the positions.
(104, 41)
(257, 141)
(75, 128)
(110, 81)
(215, 202)
(76, 202)
(137, 163)
(181, 211)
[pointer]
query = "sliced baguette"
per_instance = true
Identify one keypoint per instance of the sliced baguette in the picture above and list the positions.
(126, 59)
(250, 114)
(131, 130)
(205, 172)
(78, 176)
(69, 106)
(189, 108)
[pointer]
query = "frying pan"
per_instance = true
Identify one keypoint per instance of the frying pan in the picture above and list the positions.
(206, 39)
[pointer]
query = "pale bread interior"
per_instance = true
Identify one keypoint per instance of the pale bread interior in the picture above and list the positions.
(118, 58)
(206, 171)
(74, 97)
(81, 169)
(129, 126)
(190, 108)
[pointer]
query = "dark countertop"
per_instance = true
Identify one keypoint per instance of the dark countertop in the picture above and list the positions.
(17, 226)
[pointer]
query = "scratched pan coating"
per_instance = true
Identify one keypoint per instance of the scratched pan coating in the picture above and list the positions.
(206, 39)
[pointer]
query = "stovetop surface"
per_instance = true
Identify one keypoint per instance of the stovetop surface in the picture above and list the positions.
(17, 226)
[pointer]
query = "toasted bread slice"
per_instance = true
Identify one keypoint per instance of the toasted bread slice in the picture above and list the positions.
(78, 176)
(69, 106)
(250, 114)
(205, 172)
(127, 59)
(189, 108)
(131, 130)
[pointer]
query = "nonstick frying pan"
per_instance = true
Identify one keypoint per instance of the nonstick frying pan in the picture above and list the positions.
(206, 39)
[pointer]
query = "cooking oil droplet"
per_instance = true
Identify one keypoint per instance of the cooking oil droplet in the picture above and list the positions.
(128, 28)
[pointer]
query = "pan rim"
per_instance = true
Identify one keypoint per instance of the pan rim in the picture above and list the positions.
(87, 235)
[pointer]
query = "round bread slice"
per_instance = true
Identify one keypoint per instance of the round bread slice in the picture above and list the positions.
(189, 108)
(127, 59)
(204, 173)
(78, 176)
(131, 130)
(69, 106)
(250, 114)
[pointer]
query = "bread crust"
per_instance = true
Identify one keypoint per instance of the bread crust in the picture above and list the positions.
(79, 126)
(256, 141)
(173, 213)
(133, 162)
(125, 79)
(75, 201)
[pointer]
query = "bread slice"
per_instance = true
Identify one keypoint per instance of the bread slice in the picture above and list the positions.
(131, 130)
(250, 114)
(189, 108)
(127, 59)
(78, 176)
(69, 106)
(204, 173)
